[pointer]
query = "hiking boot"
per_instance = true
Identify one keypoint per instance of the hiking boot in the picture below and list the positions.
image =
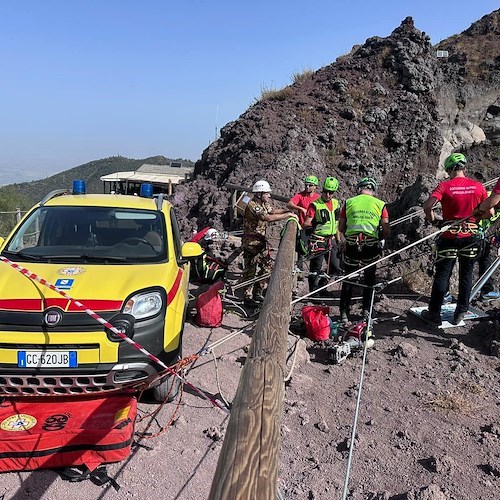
(448, 298)
(489, 296)
(258, 297)
(432, 317)
(458, 317)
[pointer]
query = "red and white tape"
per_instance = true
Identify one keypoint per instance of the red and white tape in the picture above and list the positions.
(93, 314)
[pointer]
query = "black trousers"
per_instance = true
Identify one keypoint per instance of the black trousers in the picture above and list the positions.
(316, 266)
(448, 250)
(354, 258)
(484, 260)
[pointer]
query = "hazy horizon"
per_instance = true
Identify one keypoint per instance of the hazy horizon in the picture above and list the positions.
(86, 80)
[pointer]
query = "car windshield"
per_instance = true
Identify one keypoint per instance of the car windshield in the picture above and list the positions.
(89, 234)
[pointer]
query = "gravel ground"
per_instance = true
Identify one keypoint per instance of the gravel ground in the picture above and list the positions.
(428, 427)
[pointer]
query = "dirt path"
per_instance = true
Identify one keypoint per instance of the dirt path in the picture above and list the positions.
(429, 422)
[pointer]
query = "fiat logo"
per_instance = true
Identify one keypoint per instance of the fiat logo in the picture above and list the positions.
(52, 317)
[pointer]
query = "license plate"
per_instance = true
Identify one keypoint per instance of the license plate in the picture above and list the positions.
(47, 359)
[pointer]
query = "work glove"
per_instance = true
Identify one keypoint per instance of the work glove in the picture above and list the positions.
(381, 244)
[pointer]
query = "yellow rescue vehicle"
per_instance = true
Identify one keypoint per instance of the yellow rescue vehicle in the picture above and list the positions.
(114, 257)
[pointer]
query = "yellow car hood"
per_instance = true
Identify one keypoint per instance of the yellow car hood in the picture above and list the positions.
(99, 287)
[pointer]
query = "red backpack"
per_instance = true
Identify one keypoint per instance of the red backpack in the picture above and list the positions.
(209, 309)
(317, 322)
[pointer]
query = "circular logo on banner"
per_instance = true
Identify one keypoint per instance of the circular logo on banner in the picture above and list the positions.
(71, 271)
(19, 422)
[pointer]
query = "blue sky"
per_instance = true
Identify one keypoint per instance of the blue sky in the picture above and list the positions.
(87, 79)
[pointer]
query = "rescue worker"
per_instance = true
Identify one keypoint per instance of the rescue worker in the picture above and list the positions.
(299, 203)
(258, 214)
(485, 259)
(484, 210)
(458, 195)
(361, 218)
(321, 217)
(208, 268)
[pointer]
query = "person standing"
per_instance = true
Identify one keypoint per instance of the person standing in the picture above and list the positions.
(360, 221)
(299, 203)
(459, 196)
(484, 259)
(484, 210)
(321, 217)
(258, 214)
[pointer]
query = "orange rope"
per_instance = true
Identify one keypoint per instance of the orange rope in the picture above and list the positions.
(179, 367)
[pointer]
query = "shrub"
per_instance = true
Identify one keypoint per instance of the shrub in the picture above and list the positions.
(272, 94)
(306, 74)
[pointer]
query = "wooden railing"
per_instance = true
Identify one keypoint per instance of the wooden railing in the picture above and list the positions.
(248, 462)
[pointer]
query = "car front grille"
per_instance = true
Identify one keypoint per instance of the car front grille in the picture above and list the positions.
(68, 385)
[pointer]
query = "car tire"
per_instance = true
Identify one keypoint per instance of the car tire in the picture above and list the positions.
(167, 390)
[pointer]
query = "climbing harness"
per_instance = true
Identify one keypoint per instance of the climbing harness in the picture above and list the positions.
(464, 228)
(361, 240)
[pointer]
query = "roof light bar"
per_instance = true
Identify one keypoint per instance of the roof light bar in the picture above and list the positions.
(79, 187)
(146, 191)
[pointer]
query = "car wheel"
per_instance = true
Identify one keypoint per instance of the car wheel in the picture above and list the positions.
(167, 390)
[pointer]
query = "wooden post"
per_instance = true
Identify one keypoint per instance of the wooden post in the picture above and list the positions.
(248, 463)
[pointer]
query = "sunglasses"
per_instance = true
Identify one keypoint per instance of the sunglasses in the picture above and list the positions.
(329, 192)
(310, 185)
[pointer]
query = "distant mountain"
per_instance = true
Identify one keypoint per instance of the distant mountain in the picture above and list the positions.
(32, 192)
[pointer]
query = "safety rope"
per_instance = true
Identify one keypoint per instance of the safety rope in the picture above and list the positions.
(358, 400)
(382, 259)
(295, 350)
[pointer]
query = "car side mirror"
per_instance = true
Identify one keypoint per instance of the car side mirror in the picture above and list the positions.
(190, 251)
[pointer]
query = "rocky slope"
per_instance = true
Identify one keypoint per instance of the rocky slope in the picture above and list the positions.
(390, 108)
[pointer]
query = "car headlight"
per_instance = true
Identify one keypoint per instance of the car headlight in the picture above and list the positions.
(144, 305)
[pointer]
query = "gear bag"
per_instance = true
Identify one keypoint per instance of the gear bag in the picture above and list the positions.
(53, 432)
(317, 322)
(301, 241)
(209, 310)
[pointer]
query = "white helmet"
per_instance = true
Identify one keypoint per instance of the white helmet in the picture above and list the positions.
(261, 186)
(211, 234)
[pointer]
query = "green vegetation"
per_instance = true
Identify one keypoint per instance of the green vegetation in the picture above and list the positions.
(27, 194)
(91, 172)
(12, 206)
